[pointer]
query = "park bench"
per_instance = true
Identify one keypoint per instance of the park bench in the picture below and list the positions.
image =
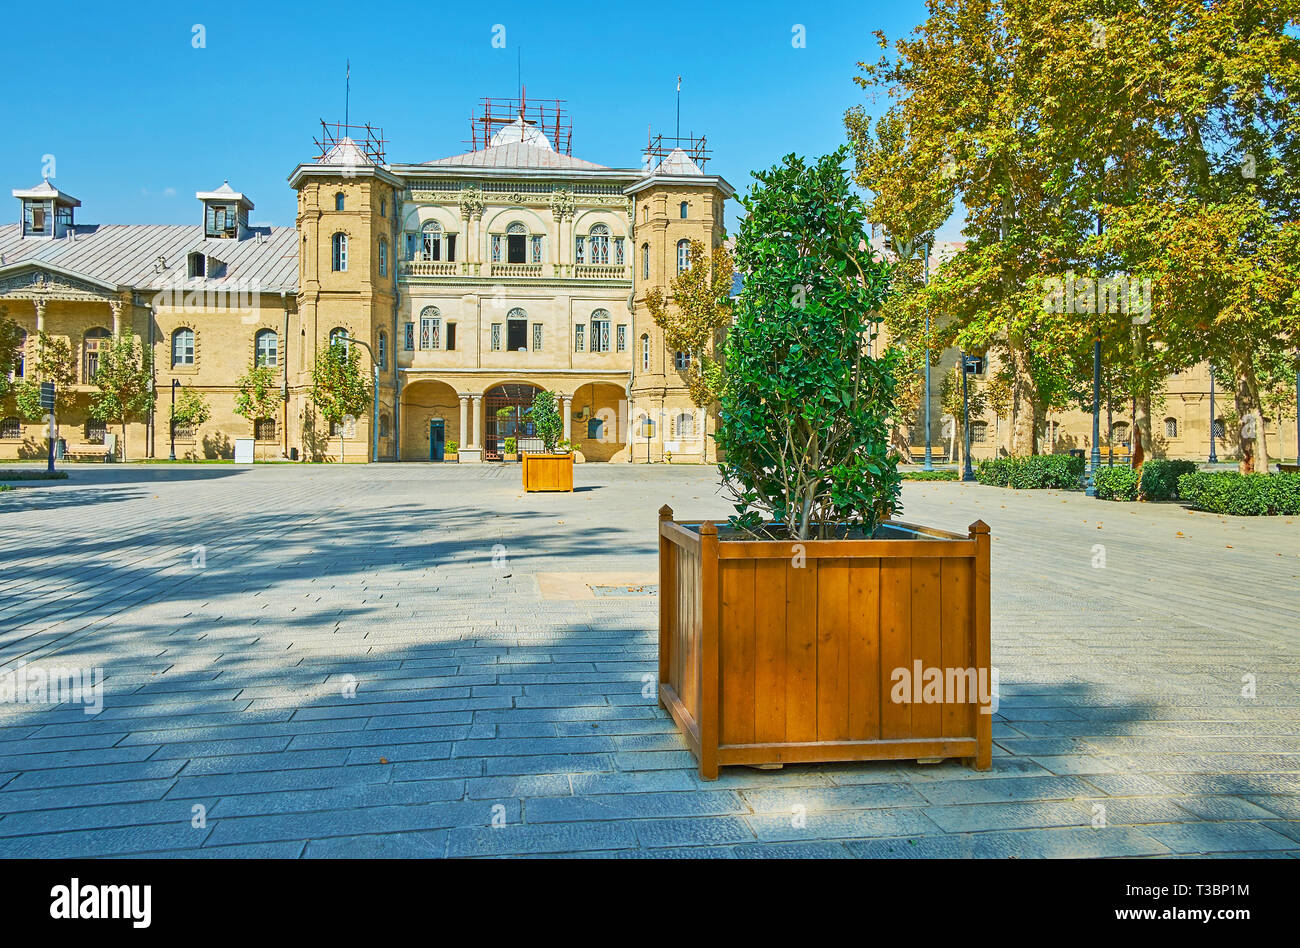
(1120, 451)
(938, 454)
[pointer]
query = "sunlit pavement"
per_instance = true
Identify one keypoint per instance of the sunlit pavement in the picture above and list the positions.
(406, 660)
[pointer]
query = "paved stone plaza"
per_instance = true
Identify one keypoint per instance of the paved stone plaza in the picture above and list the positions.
(410, 661)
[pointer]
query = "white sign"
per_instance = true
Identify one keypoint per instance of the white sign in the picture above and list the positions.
(110, 447)
(244, 450)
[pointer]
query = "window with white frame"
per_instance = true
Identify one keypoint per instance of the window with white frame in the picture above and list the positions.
(339, 253)
(1171, 427)
(684, 426)
(383, 257)
(618, 251)
(339, 337)
(600, 330)
(382, 348)
(496, 337)
(645, 352)
(599, 236)
(535, 243)
(579, 337)
(266, 349)
(683, 255)
(621, 343)
(516, 330)
(430, 328)
(537, 337)
(408, 337)
(645, 261)
(682, 360)
(183, 347)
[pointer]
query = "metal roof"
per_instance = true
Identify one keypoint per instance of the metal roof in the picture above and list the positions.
(126, 255)
(518, 155)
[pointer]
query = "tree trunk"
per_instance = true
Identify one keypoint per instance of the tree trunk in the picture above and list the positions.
(1254, 448)
(1022, 430)
(1141, 429)
(124, 441)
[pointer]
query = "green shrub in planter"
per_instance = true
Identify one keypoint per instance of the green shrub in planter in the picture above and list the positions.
(994, 472)
(1036, 472)
(1242, 495)
(1160, 478)
(944, 475)
(1117, 483)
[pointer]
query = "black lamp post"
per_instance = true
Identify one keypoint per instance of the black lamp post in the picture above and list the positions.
(967, 473)
(929, 464)
(1095, 460)
(172, 422)
(1214, 458)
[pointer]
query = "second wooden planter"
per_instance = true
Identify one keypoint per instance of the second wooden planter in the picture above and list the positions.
(548, 472)
(775, 652)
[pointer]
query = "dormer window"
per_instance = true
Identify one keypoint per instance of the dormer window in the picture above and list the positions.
(225, 212)
(39, 219)
(198, 265)
(47, 211)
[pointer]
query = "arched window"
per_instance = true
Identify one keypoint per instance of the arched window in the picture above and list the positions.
(682, 360)
(516, 330)
(339, 337)
(645, 261)
(430, 328)
(338, 201)
(1171, 427)
(516, 243)
(979, 432)
(93, 343)
(600, 330)
(599, 239)
(684, 206)
(1216, 428)
(11, 429)
(266, 349)
(383, 257)
(683, 255)
(645, 352)
(430, 247)
(684, 426)
(339, 246)
(383, 349)
(383, 425)
(197, 265)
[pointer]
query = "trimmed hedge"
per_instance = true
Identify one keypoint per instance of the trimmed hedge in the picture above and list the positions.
(33, 476)
(944, 475)
(1038, 471)
(1160, 478)
(1117, 483)
(1241, 495)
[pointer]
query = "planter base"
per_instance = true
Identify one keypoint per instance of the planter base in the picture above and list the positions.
(548, 472)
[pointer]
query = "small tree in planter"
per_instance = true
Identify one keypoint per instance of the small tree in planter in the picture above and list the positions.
(553, 468)
(795, 633)
(451, 451)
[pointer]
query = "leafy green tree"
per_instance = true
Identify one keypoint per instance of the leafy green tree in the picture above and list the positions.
(547, 421)
(952, 403)
(804, 410)
(52, 363)
(11, 336)
(339, 388)
(124, 379)
(192, 409)
(698, 308)
(258, 394)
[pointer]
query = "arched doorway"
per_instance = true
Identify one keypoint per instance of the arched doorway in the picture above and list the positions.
(513, 399)
(430, 408)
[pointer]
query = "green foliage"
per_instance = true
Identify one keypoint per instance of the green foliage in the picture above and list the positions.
(943, 475)
(1242, 495)
(258, 393)
(804, 411)
(698, 307)
(125, 382)
(451, 447)
(1117, 483)
(511, 446)
(339, 388)
(52, 363)
(33, 476)
(192, 409)
(1039, 471)
(545, 414)
(11, 334)
(1160, 478)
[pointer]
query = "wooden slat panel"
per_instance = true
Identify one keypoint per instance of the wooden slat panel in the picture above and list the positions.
(895, 643)
(927, 647)
(863, 604)
(801, 651)
(737, 658)
(958, 642)
(834, 630)
(769, 652)
(839, 549)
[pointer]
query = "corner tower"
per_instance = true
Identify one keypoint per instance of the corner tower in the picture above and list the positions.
(347, 230)
(673, 204)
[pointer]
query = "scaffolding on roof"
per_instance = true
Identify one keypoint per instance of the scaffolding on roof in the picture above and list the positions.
(661, 146)
(496, 113)
(367, 138)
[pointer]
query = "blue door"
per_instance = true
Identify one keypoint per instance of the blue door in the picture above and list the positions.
(436, 438)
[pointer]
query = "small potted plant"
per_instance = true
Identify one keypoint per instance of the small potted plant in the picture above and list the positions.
(552, 467)
(811, 626)
(510, 449)
(449, 451)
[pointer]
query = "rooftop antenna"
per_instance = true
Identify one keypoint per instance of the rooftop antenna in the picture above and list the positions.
(679, 106)
(347, 91)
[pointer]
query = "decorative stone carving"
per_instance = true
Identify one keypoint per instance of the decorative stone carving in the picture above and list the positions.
(471, 203)
(562, 203)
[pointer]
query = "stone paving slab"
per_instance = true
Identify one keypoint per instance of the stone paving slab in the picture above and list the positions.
(356, 671)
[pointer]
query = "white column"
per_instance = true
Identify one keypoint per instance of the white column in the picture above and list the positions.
(464, 421)
(478, 421)
(40, 314)
(116, 307)
(567, 402)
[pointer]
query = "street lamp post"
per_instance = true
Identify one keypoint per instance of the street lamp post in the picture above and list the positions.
(1214, 458)
(967, 473)
(1297, 406)
(172, 422)
(929, 465)
(1095, 460)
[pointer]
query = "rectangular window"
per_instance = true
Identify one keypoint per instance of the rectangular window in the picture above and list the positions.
(618, 251)
(579, 335)
(408, 340)
(430, 332)
(451, 337)
(410, 246)
(264, 429)
(496, 337)
(515, 249)
(537, 248)
(95, 432)
(383, 350)
(580, 251)
(383, 258)
(38, 218)
(622, 339)
(451, 248)
(537, 337)
(600, 335)
(496, 248)
(517, 335)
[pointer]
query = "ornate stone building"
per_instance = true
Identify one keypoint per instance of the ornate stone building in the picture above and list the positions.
(472, 281)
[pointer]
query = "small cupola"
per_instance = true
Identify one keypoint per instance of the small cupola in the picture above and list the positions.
(225, 212)
(47, 211)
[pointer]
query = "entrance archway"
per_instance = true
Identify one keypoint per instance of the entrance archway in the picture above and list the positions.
(515, 398)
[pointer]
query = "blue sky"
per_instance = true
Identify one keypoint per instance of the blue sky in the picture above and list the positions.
(138, 119)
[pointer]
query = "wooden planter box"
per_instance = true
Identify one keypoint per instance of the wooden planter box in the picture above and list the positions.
(548, 472)
(771, 654)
